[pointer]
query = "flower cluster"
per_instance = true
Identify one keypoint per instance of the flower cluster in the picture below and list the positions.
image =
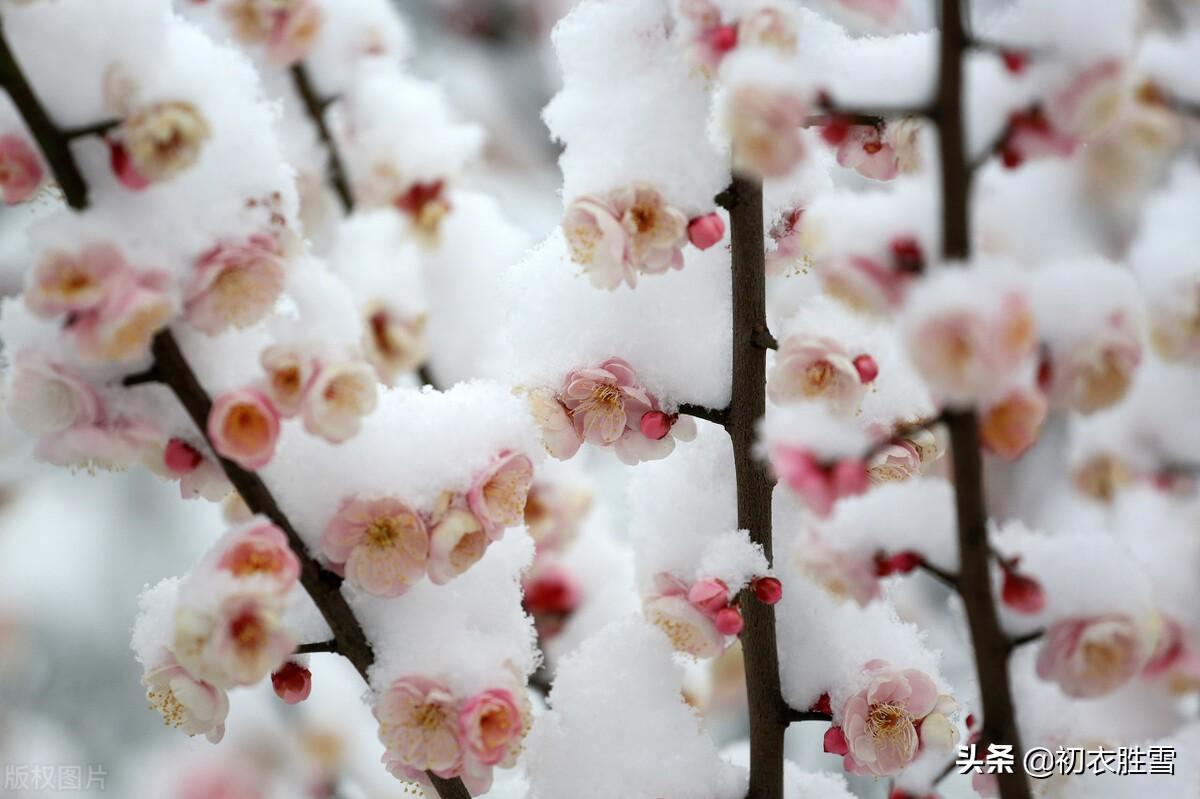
(699, 618)
(714, 39)
(551, 591)
(286, 29)
(631, 231)
(426, 727)
(229, 634)
(605, 406)
(818, 367)
(879, 152)
(883, 727)
(820, 484)
(870, 283)
(383, 546)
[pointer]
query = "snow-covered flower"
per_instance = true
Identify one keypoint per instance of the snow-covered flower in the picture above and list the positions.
(293, 33)
(550, 593)
(815, 367)
(559, 436)
(788, 252)
(244, 427)
(820, 485)
(418, 726)
(879, 724)
(767, 26)
(394, 344)
(1093, 656)
(1174, 320)
(655, 436)
(426, 204)
(289, 376)
(1102, 475)
(903, 135)
(189, 704)
(488, 724)
(1092, 100)
(67, 282)
(198, 475)
(381, 545)
(123, 327)
(554, 513)
(1011, 426)
(765, 129)
(235, 285)
(47, 398)
(1030, 136)
(242, 641)
(603, 400)
(497, 496)
(162, 140)
(1097, 372)
(21, 171)
(687, 627)
(457, 540)
(597, 241)
(261, 549)
(863, 283)
(896, 462)
(340, 396)
(865, 150)
(844, 574)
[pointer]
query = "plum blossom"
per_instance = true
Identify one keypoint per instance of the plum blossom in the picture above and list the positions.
(1174, 320)
(497, 497)
(488, 723)
(1030, 136)
(602, 401)
(1093, 656)
(551, 593)
(844, 574)
(1174, 659)
(244, 427)
(1096, 373)
(706, 231)
(554, 513)
(418, 725)
(66, 282)
(426, 204)
(788, 252)
(765, 129)
(865, 284)
(235, 285)
(123, 327)
(21, 171)
(457, 539)
(881, 727)
(393, 343)
(819, 484)
(261, 549)
(292, 682)
(695, 618)
(159, 142)
(189, 704)
(815, 367)
(108, 443)
(555, 424)
(767, 26)
(967, 353)
(198, 476)
(1092, 100)
(632, 230)
(1011, 426)
(894, 463)
(294, 32)
(47, 398)
(242, 641)
(290, 374)
(340, 395)
(655, 436)
(381, 545)
(865, 150)
(1101, 476)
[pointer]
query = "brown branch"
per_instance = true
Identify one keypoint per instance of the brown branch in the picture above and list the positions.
(426, 376)
(99, 129)
(315, 107)
(791, 716)
(990, 644)
(941, 575)
(1018, 641)
(318, 646)
(54, 144)
(744, 201)
(720, 417)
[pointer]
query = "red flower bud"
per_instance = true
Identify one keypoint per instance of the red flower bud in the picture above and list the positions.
(768, 590)
(292, 683)
(867, 368)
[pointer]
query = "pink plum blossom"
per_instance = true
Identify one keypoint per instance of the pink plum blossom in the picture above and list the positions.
(1093, 656)
(820, 485)
(880, 723)
(123, 327)
(239, 643)
(457, 541)
(235, 285)
(293, 33)
(1011, 426)
(655, 436)
(47, 398)
(602, 401)
(844, 574)
(244, 427)
(340, 396)
(866, 152)
(381, 545)
(289, 376)
(261, 550)
(687, 627)
(550, 594)
(765, 129)
(162, 140)
(393, 343)
(788, 252)
(1174, 659)
(112, 444)
(894, 463)
(1096, 373)
(418, 725)
(554, 513)
(1092, 100)
(67, 282)
(1032, 136)
(292, 682)
(597, 242)
(21, 171)
(198, 476)
(189, 704)
(558, 433)
(815, 367)
(498, 495)
(488, 724)
(865, 284)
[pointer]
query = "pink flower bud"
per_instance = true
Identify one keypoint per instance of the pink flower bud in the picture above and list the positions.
(292, 683)
(902, 563)
(823, 705)
(181, 457)
(1014, 61)
(1022, 594)
(728, 621)
(835, 741)
(706, 231)
(710, 596)
(866, 367)
(20, 169)
(850, 477)
(656, 425)
(768, 590)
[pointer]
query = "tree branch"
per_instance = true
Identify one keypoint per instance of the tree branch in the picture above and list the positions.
(315, 107)
(55, 146)
(791, 716)
(1028, 638)
(941, 575)
(319, 646)
(720, 417)
(975, 584)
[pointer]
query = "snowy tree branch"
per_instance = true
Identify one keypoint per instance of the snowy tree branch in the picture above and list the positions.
(990, 643)
(315, 106)
(720, 417)
(792, 716)
(318, 646)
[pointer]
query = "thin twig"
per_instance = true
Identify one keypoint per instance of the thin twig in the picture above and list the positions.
(1018, 641)
(315, 107)
(99, 129)
(791, 715)
(941, 575)
(720, 417)
(319, 646)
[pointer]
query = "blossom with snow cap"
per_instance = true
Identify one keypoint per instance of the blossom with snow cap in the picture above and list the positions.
(243, 426)
(1011, 426)
(765, 129)
(381, 545)
(1093, 656)
(21, 172)
(394, 343)
(696, 618)
(882, 726)
(290, 373)
(45, 397)
(498, 494)
(338, 398)
(457, 539)
(235, 285)
(186, 703)
(261, 549)
(844, 574)
(816, 367)
(158, 142)
(418, 726)
(239, 642)
(604, 400)
(1096, 373)
(819, 484)
(865, 150)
